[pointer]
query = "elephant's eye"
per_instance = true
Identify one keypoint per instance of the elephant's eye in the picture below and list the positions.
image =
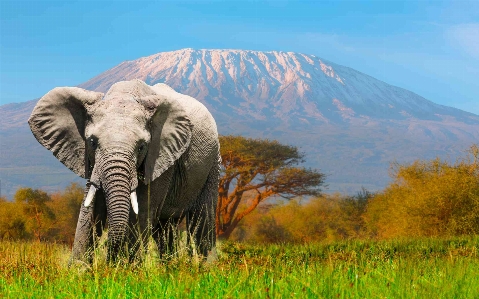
(141, 148)
(93, 143)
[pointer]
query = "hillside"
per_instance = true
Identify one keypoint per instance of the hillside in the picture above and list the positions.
(350, 125)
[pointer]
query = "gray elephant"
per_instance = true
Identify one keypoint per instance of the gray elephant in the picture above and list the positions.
(151, 157)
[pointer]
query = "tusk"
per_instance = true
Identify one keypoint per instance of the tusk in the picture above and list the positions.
(90, 195)
(134, 202)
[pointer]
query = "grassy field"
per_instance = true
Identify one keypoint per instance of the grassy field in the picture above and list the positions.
(425, 268)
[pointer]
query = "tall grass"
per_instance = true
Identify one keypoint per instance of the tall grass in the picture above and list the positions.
(423, 268)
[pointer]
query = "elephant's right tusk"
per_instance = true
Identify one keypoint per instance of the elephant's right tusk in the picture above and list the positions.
(90, 195)
(134, 202)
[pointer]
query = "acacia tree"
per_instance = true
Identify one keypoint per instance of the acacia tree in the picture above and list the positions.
(263, 168)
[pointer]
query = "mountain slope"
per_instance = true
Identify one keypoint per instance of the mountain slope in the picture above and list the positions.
(349, 124)
(278, 84)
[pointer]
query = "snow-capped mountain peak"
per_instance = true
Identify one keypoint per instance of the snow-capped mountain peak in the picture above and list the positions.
(283, 85)
(350, 125)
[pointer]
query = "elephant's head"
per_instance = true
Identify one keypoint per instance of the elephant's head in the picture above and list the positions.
(129, 134)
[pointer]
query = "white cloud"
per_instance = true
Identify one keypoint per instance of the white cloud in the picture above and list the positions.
(465, 37)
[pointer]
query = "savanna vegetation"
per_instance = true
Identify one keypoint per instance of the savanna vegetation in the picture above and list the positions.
(266, 197)
(36, 215)
(423, 268)
(433, 198)
(255, 170)
(280, 236)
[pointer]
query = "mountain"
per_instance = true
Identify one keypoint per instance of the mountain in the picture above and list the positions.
(350, 125)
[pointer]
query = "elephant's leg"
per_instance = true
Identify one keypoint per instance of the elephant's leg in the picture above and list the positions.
(165, 235)
(91, 218)
(200, 220)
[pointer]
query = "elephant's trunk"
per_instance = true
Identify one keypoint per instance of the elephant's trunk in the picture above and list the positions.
(117, 172)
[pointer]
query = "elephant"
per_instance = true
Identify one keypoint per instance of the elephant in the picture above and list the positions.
(150, 156)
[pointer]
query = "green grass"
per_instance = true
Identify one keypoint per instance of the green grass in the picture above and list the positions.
(424, 268)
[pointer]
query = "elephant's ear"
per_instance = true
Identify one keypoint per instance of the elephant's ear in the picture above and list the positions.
(58, 123)
(170, 130)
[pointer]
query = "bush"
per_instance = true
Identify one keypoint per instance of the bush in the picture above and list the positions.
(428, 198)
(12, 222)
(35, 214)
(325, 219)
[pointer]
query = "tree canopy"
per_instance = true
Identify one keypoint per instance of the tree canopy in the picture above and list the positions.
(37, 214)
(261, 168)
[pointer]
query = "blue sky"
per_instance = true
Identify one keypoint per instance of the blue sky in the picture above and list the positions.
(428, 47)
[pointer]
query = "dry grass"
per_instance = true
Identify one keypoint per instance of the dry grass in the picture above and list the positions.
(423, 268)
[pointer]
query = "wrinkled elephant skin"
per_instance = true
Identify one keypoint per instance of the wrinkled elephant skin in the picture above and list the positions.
(151, 157)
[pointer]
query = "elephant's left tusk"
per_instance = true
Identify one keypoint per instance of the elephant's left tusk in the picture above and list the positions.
(134, 202)
(90, 195)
